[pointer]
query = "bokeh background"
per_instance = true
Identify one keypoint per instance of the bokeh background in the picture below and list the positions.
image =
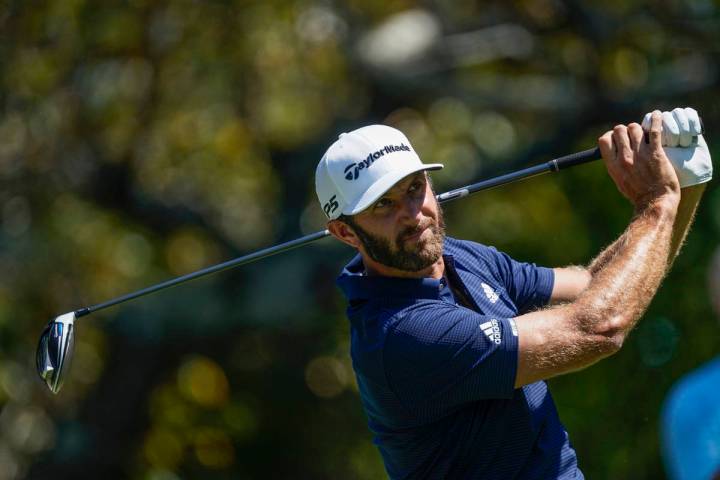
(141, 140)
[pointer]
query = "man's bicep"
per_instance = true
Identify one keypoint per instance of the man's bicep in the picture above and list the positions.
(569, 284)
(551, 343)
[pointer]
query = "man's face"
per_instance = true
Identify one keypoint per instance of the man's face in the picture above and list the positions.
(404, 229)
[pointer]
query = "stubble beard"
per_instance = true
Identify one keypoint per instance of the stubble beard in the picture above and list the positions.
(423, 254)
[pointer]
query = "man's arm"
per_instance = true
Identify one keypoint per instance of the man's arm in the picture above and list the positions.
(571, 281)
(689, 200)
(624, 278)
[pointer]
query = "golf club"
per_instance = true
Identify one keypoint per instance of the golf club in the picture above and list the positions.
(55, 348)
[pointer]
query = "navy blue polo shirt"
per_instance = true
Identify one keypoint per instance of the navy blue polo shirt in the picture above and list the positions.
(436, 372)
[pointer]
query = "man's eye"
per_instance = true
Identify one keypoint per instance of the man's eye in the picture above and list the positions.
(416, 186)
(383, 202)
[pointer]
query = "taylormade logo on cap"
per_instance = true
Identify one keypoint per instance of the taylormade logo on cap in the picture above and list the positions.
(361, 166)
(352, 171)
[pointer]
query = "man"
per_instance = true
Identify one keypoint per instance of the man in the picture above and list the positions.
(449, 348)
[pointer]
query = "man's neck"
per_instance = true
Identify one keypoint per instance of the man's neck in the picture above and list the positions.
(372, 268)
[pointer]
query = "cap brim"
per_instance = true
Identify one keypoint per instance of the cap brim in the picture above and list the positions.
(379, 188)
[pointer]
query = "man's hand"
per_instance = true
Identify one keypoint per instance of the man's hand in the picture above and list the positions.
(642, 171)
(685, 145)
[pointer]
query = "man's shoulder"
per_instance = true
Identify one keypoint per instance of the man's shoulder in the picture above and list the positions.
(473, 256)
(457, 246)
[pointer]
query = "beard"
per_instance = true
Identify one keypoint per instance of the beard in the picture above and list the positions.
(394, 254)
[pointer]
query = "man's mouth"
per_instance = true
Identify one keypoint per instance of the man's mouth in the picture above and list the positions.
(416, 235)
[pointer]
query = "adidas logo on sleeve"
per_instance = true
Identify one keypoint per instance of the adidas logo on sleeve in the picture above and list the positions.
(492, 330)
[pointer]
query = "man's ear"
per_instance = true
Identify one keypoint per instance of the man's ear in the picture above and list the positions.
(343, 232)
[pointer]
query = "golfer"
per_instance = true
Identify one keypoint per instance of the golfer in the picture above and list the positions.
(452, 340)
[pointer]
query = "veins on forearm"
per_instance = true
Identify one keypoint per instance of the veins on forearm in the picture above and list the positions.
(599, 262)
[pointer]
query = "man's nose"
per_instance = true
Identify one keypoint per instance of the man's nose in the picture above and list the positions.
(411, 211)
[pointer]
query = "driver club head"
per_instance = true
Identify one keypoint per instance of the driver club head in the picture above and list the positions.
(55, 350)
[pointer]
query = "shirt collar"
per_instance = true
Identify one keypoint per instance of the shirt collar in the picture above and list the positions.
(357, 286)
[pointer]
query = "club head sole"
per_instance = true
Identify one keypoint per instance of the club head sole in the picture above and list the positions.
(55, 350)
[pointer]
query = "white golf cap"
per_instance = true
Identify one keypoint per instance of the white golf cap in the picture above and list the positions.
(361, 166)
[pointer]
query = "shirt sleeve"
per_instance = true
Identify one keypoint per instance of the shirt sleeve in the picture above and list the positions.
(441, 356)
(529, 285)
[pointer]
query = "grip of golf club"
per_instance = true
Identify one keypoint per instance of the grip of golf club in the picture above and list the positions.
(573, 159)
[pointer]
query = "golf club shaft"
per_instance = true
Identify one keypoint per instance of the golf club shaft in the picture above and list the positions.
(251, 257)
(554, 165)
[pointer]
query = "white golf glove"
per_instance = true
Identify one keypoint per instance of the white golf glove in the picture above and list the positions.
(690, 158)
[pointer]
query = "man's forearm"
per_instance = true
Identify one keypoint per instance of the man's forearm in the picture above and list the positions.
(689, 200)
(627, 274)
(599, 262)
(596, 324)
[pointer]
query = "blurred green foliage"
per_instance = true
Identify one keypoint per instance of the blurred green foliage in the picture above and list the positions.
(141, 140)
